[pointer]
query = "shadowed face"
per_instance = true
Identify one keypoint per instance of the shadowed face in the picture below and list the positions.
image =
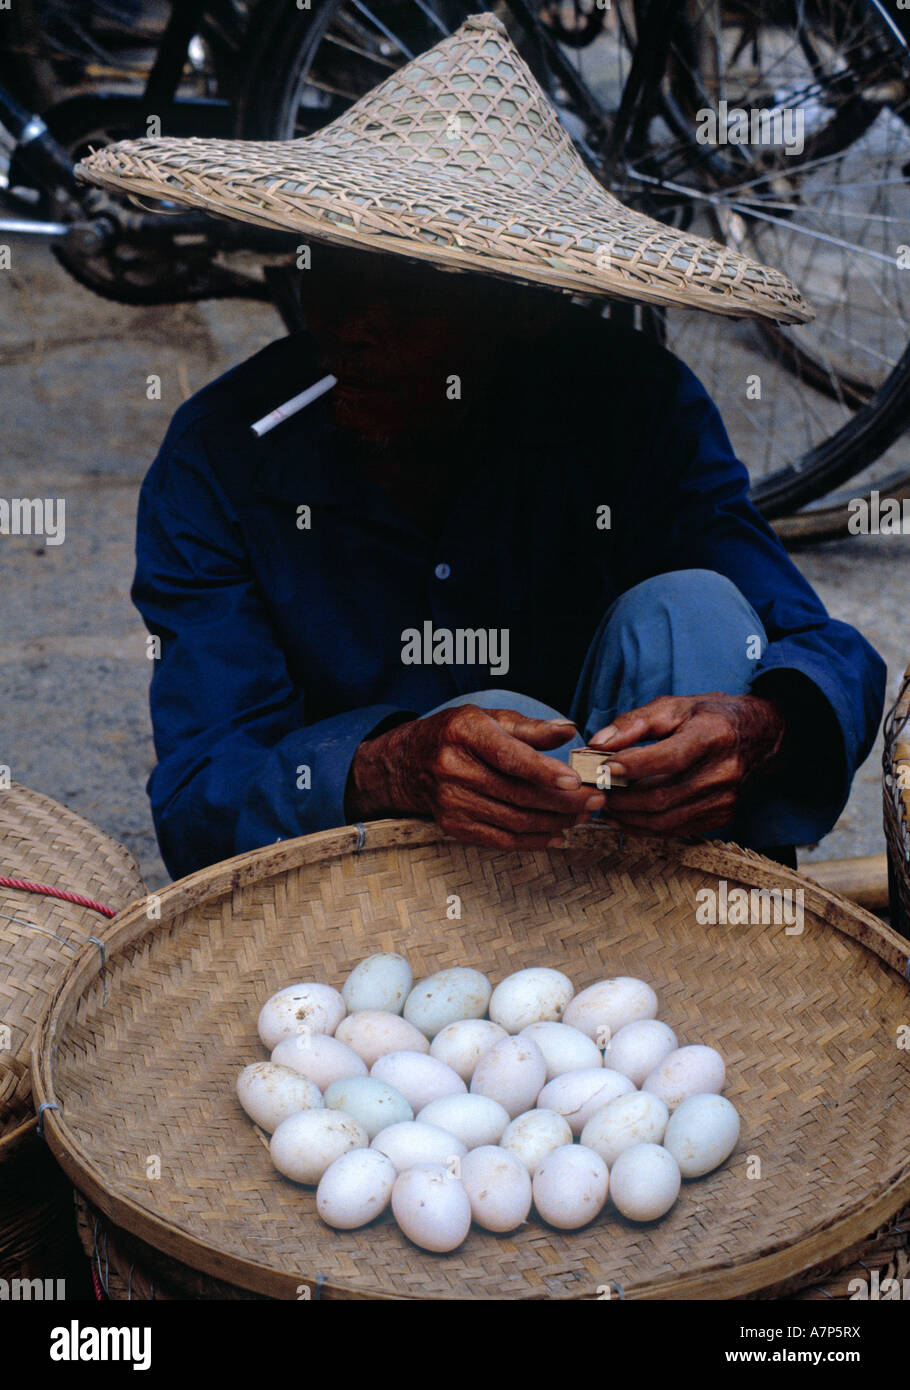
(395, 333)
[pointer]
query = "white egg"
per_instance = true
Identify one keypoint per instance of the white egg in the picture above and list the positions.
(639, 1047)
(355, 1189)
(416, 1142)
(535, 1134)
(303, 1008)
(512, 1072)
(321, 1058)
(602, 1009)
(564, 1048)
(372, 1033)
(372, 1103)
(447, 997)
(269, 1094)
(530, 996)
(702, 1133)
(461, 1045)
(577, 1095)
(689, 1071)
(431, 1208)
(498, 1187)
(636, 1118)
(304, 1145)
(644, 1182)
(418, 1077)
(379, 982)
(570, 1187)
(475, 1120)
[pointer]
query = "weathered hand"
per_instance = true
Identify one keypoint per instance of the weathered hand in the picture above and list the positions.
(690, 781)
(478, 773)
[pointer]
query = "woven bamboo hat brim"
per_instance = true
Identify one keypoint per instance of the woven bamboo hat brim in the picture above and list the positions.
(457, 159)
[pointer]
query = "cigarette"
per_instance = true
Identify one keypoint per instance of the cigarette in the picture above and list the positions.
(282, 412)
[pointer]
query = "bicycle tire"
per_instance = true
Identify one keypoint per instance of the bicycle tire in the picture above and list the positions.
(832, 523)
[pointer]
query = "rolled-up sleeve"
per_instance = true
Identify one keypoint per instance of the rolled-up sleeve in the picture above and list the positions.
(830, 679)
(239, 766)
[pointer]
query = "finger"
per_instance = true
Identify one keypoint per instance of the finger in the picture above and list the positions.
(695, 818)
(656, 719)
(472, 772)
(493, 837)
(655, 797)
(459, 804)
(510, 755)
(694, 742)
(539, 733)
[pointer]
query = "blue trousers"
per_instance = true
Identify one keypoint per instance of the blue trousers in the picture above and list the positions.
(683, 633)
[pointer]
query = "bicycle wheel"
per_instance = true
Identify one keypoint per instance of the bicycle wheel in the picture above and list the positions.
(829, 210)
(833, 394)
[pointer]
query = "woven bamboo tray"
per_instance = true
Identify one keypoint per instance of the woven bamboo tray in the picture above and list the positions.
(44, 842)
(896, 806)
(142, 1057)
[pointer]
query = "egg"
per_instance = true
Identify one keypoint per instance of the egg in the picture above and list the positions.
(638, 1048)
(447, 997)
(380, 982)
(372, 1033)
(431, 1207)
(530, 996)
(416, 1142)
(498, 1187)
(564, 1048)
(689, 1071)
(636, 1118)
(303, 1008)
(269, 1094)
(533, 1135)
(570, 1187)
(461, 1045)
(321, 1058)
(576, 1095)
(372, 1103)
(304, 1145)
(702, 1133)
(418, 1077)
(355, 1189)
(512, 1072)
(602, 1009)
(475, 1120)
(644, 1182)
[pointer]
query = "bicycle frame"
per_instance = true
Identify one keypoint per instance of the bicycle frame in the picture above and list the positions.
(50, 170)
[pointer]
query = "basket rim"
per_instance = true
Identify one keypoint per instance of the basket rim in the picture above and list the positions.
(728, 1279)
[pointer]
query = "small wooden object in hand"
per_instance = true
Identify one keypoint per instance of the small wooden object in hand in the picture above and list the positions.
(591, 766)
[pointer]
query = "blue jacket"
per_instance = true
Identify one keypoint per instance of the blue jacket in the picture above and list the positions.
(281, 629)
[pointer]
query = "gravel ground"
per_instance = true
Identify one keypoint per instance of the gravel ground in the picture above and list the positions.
(78, 425)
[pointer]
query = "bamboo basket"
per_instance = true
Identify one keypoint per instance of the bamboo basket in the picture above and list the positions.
(896, 804)
(43, 842)
(142, 1056)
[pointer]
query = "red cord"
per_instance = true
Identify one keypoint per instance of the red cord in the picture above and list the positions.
(57, 893)
(96, 1284)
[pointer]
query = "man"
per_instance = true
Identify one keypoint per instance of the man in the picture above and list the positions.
(509, 528)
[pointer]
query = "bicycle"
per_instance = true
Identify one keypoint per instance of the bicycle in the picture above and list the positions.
(634, 118)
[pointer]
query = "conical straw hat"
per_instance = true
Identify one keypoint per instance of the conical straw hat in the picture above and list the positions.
(457, 159)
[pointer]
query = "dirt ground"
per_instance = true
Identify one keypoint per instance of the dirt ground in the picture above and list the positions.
(77, 424)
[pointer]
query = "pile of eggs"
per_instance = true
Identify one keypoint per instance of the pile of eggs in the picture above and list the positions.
(457, 1102)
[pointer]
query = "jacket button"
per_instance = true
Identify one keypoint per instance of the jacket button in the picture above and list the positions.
(442, 571)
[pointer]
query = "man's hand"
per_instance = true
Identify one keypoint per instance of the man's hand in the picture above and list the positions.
(478, 773)
(708, 747)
